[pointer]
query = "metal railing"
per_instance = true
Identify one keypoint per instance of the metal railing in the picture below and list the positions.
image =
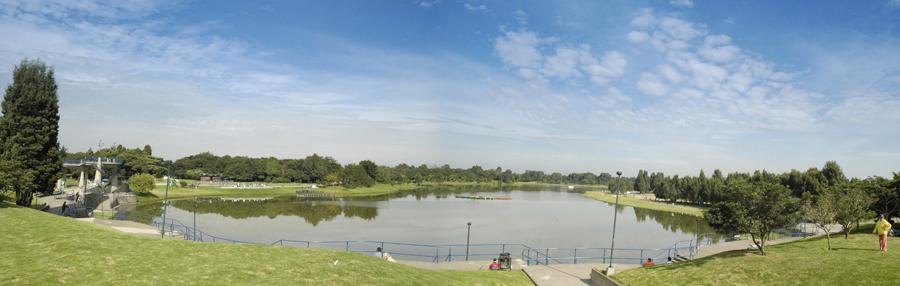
(438, 253)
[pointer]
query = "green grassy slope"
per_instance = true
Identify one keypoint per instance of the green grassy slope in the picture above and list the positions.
(42, 249)
(855, 261)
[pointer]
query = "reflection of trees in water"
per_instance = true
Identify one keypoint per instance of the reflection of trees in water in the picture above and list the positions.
(312, 211)
(674, 222)
(449, 192)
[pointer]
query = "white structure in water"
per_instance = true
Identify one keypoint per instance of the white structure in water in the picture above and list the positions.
(108, 167)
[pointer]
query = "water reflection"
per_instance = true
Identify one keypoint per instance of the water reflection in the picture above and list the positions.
(313, 211)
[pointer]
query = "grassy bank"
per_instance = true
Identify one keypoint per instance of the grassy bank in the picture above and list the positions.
(646, 204)
(855, 261)
(43, 249)
(513, 184)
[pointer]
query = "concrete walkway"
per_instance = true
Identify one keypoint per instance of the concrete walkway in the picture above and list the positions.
(568, 274)
(125, 226)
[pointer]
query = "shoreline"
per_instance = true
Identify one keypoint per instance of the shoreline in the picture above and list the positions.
(645, 204)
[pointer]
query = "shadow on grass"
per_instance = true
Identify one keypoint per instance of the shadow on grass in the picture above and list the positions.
(854, 249)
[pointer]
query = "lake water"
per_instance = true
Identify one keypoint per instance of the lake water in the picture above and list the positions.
(536, 216)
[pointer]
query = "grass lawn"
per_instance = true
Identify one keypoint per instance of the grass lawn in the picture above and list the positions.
(646, 204)
(44, 249)
(855, 261)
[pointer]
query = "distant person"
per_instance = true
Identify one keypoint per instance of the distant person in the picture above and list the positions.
(669, 261)
(383, 255)
(63, 209)
(494, 265)
(648, 263)
(881, 229)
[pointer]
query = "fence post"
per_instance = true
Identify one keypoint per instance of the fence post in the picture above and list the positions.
(547, 257)
(307, 244)
(503, 250)
(642, 256)
(604, 256)
(282, 242)
(575, 255)
(383, 250)
(347, 248)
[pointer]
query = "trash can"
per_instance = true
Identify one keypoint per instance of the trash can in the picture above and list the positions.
(505, 261)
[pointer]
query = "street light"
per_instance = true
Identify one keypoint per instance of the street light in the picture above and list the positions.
(162, 233)
(468, 233)
(610, 270)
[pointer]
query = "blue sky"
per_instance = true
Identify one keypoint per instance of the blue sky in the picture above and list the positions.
(571, 86)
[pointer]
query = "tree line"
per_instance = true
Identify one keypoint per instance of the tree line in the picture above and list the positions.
(760, 202)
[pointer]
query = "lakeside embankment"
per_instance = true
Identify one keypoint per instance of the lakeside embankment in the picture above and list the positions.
(45, 249)
(646, 204)
(854, 261)
(275, 190)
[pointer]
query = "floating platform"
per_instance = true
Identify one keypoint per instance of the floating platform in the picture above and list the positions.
(483, 198)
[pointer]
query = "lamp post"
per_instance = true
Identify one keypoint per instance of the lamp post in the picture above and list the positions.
(162, 233)
(610, 270)
(468, 233)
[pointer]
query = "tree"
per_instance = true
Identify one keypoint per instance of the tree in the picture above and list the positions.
(354, 176)
(148, 150)
(833, 174)
(821, 211)
(852, 205)
(370, 168)
(30, 159)
(141, 183)
(756, 208)
(642, 182)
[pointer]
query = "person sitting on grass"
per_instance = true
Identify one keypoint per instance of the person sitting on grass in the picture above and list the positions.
(494, 265)
(648, 263)
(383, 255)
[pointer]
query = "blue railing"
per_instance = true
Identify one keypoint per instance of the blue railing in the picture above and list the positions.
(437, 253)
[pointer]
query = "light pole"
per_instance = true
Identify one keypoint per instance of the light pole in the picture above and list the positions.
(468, 233)
(195, 220)
(610, 270)
(162, 233)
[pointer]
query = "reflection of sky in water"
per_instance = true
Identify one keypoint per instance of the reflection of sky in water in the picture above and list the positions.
(537, 218)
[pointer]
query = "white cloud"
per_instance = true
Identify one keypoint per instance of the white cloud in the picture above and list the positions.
(522, 50)
(611, 65)
(680, 29)
(521, 17)
(682, 3)
(474, 7)
(645, 19)
(638, 37)
(563, 64)
(728, 86)
(519, 49)
(428, 3)
(670, 73)
(651, 84)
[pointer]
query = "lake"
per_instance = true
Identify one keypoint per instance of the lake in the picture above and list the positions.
(536, 216)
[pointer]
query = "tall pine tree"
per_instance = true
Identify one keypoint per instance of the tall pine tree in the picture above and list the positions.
(29, 130)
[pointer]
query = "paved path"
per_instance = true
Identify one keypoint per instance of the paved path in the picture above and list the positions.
(124, 226)
(568, 274)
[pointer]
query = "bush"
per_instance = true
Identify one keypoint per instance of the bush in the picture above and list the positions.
(182, 184)
(141, 183)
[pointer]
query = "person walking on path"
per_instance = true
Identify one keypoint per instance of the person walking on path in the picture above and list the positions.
(881, 229)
